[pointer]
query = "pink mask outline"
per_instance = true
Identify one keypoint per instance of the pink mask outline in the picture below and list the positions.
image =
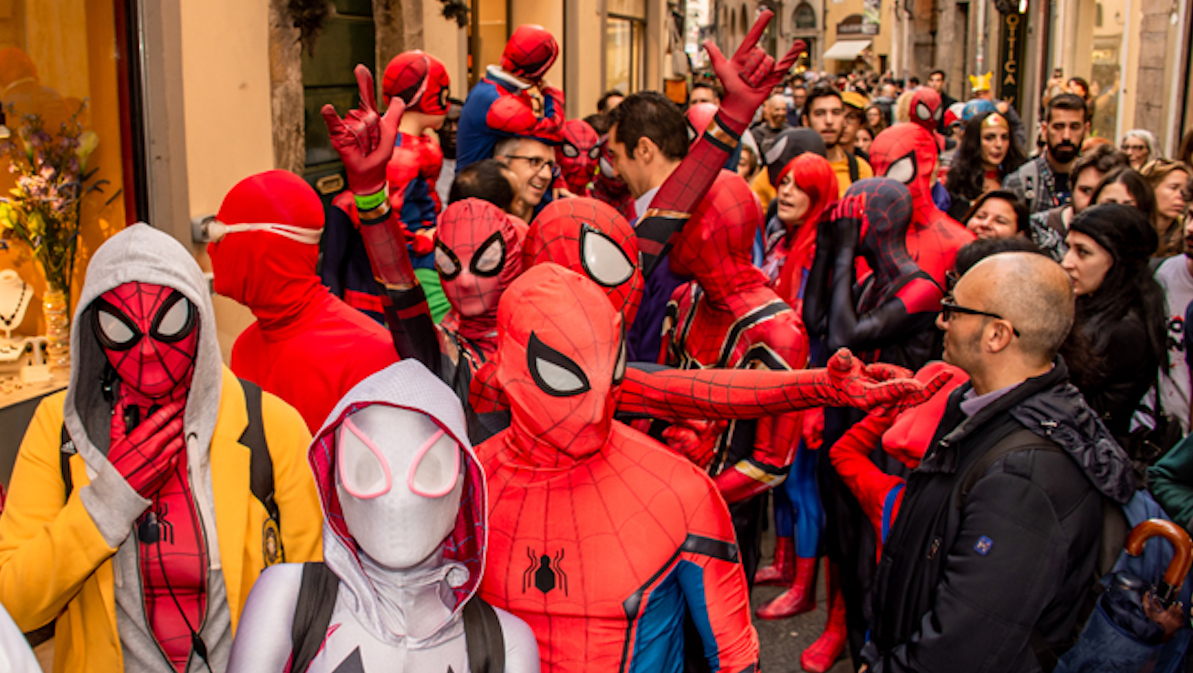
(422, 451)
(389, 481)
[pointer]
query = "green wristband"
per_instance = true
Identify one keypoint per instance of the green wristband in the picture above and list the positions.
(371, 201)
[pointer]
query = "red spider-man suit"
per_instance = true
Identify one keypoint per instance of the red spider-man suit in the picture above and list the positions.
(926, 109)
(528, 55)
(599, 540)
(150, 335)
(907, 153)
(577, 155)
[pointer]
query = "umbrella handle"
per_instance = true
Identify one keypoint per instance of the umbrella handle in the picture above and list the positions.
(1182, 558)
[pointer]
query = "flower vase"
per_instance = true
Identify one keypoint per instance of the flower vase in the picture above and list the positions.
(57, 329)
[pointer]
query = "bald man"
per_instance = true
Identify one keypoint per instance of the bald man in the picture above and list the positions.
(774, 120)
(996, 542)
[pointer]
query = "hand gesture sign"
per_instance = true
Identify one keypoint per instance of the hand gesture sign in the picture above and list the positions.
(365, 139)
(751, 75)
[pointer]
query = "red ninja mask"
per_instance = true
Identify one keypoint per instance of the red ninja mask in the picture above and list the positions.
(716, 245)
(560, 359)
(530, 53)
(420, 80)
(592, 239)
(150, 335)
(478, 253)
(578, 155)
(906, 152)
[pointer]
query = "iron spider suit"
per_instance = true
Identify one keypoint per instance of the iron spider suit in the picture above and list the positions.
(578, 154)
(421, 82)
(513, 99)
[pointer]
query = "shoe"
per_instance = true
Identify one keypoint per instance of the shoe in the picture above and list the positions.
(823, 653)
(781, 572)
(798, 599)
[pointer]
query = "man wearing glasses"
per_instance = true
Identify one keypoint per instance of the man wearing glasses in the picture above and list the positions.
(533, 164)
(996, 542)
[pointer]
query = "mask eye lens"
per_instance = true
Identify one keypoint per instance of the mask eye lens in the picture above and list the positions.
(362, 468)
(570, 151)
(176, 320)
(446, 262)
(489, 260)
(436, 467)
(604, 261)
(554, 372)
(114, 331)
(902, 170)
(594, 153)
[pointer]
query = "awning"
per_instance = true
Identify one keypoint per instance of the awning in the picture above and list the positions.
(846, 50)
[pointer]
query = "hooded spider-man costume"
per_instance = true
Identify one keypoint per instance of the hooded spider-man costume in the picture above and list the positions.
(578, 154)
(307, 346)
(150, 336)
(512, 99)
(599, 540)
(730, 319)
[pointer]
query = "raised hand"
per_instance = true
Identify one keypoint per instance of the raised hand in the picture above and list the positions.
(364, 139)
(851, 385)
(146, 456)
(749, 77)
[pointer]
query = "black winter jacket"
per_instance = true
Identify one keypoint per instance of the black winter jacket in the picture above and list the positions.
(962, 587)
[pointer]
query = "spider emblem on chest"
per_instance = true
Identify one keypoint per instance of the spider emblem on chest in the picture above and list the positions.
(544, 572)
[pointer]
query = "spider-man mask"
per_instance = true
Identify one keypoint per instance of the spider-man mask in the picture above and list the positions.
(408, 73)
(560, 359)
(906, 152)
(592, 239)
(578, 154)
(926, 110)
(478, 253)
(530, 53)
(150, 335)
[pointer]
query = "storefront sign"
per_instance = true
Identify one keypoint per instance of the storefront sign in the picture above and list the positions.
(1012, 34)
(855, 24)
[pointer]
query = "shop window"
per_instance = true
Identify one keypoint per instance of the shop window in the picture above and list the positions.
(624, 42)
(805, 17)
(487, 36)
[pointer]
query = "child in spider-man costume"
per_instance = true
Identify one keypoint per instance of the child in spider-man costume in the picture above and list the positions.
(730, 319)
(577, 154)
(306, 346)
(908, 153)
(149, 496)
(421, 82)
(512, 99)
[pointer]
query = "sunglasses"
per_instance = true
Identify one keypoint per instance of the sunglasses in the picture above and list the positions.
(948, 308)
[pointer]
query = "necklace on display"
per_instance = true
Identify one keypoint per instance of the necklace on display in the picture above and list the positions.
(9, 282)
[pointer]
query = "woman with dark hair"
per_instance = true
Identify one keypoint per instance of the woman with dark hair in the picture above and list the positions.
(1127, 187)
(1120, 309)
(998, 214)
(875, 118)
(988, 153)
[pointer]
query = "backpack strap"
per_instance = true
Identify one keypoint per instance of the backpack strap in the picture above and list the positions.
(1018, 440)
(316, 601)
(260, 463)
(482, 634)
(64, 453)
(854, 170)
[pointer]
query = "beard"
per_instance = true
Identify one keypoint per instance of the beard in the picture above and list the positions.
(1064, 152)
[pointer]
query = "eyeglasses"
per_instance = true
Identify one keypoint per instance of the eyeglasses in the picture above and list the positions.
(1134, 148)
(948, 308)
(536, 163)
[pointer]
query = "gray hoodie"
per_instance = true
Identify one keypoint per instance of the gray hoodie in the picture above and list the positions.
(141, 253)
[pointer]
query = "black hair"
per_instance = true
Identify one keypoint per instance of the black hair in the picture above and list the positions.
(1084, 84)
(1066, 101)
(1129, 284)
(487, 180)
(603, 101)
(1022, 224)
(1103, 158)
(967, 171)
(1139, 187)
(943, 74)
(975, 251)
(716, 90)
(599, 122)
(650, 114)
(821, 89)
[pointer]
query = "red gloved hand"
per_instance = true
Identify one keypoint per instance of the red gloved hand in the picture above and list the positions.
(364, 139)
(422, 241)
(848, 383)
(751, 75)
(812, 430)
(695, 440)
(848, 220)
(147, 456)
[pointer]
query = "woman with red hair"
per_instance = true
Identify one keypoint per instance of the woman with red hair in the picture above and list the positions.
(807, 188)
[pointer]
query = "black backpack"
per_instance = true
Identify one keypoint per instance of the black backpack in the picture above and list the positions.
(317, 598)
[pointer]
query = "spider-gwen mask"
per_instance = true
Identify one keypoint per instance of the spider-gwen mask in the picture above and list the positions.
(399, 483)
(150, 335)
(906, 152)
(590, 238)
(578, 154)
(478, 253)
(420, 80)
(561, 356)
(529, 53)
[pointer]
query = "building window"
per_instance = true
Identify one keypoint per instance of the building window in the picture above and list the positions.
(487, 35)
(625, 41)
(805, 16)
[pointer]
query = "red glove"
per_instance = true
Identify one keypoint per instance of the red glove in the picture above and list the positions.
(848, 383)
(812, 431)
(147, 456)
(364, 139)
(751, 75)
(422, 241)
(695, 440)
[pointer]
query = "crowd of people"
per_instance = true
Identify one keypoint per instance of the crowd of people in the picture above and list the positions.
(527, 395)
